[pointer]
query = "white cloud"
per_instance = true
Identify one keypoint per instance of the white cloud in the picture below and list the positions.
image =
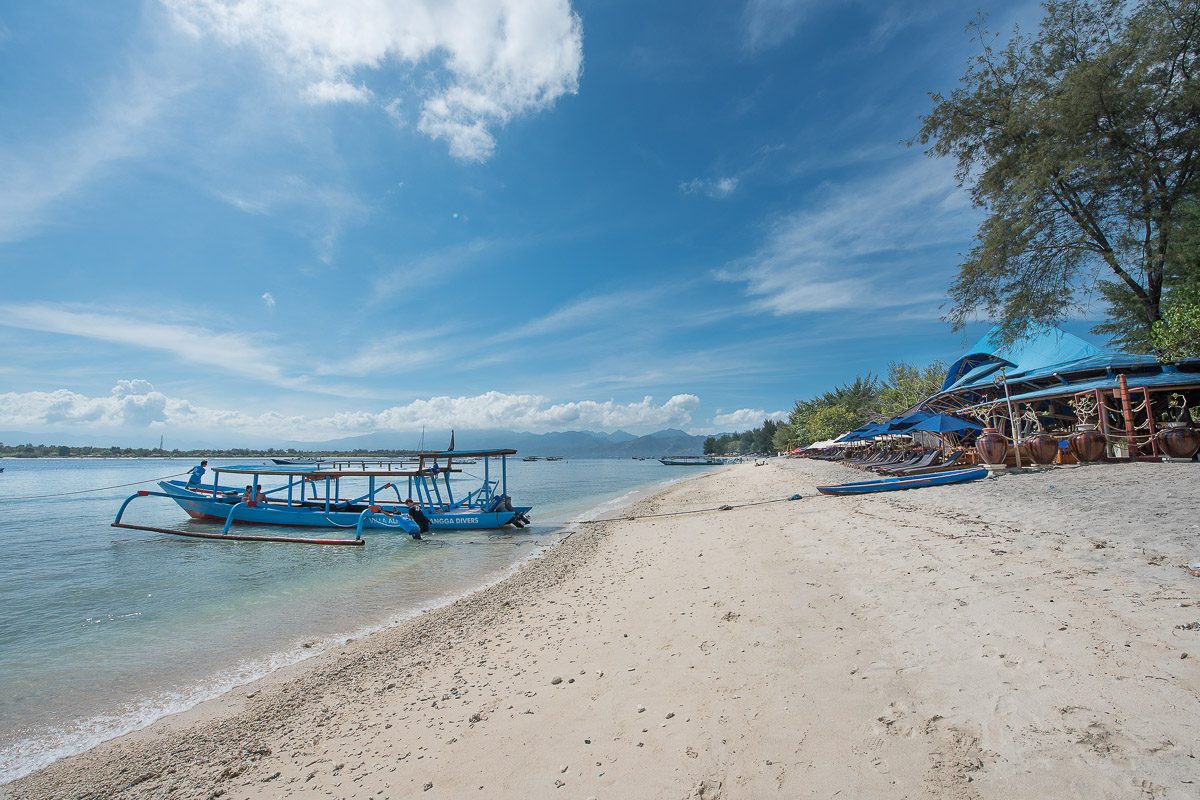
(132, 404)
(268, 299)
(720, 187)
(323, 92)
(492, 60)
(135, 404)
(745, 419)
(862, 244)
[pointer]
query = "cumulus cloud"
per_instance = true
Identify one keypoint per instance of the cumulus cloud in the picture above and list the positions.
(490, 60)
(131, 404)
(135, 404)
(746, 419)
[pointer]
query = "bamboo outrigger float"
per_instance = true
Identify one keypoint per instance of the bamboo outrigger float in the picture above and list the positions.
(312, 496)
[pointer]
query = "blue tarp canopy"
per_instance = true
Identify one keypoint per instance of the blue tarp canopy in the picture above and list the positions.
(1046, 348)
(946, 423)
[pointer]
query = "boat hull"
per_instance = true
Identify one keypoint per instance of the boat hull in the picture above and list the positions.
(313, 515)
(898, 484)
(205, 506)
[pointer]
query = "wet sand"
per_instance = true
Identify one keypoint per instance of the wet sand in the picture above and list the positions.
(1032, 636)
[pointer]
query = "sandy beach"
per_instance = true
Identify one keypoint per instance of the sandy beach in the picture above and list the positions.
(1036, 635)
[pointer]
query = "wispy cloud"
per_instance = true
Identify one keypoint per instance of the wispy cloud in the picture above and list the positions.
(710, 187)
(492, 61)
(769, 23)
(230, 352)
(837, 252)
(39, 174)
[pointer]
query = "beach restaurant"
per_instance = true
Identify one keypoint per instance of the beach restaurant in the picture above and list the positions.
(1054, 398)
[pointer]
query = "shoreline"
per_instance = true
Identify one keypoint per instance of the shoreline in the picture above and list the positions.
(1005, 642)
(151, 709)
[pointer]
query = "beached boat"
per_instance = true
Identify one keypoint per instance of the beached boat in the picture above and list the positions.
(349, 493)
(691, 461)
(916, 482)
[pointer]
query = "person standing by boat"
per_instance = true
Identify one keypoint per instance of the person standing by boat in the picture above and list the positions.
(417, 515)
(197, 474)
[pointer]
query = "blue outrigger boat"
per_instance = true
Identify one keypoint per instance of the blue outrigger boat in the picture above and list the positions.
(915, 482)
(314, 495)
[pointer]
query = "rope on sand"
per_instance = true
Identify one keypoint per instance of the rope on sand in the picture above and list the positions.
(689, 511)
(99, 489)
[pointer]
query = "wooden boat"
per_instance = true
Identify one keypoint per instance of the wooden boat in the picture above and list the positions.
(914, 482)
(322, 495)
(691, 461)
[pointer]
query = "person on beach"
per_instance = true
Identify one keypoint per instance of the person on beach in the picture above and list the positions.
(197, 473)
(417, 515)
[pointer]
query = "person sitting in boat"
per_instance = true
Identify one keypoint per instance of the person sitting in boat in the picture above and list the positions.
(197, 473)
(417, 515)
(248, 495)
(261, 497)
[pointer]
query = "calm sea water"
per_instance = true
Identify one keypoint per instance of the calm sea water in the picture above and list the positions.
(104, 630)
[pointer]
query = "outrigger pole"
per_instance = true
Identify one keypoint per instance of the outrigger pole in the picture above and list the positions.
(241, 537)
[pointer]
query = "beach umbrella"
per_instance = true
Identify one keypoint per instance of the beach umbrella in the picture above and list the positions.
(902, 423)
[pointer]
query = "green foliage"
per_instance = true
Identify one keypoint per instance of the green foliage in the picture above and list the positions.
(908, 385)
(1181, 285)
(758, 440)
(867, 399)
(1082, 145)
(1177, 334)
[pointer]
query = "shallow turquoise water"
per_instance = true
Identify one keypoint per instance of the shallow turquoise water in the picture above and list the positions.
(103, 630)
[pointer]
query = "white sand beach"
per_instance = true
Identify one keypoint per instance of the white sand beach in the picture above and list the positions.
(1032, 636)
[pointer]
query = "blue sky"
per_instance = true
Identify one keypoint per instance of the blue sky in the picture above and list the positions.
(310, 220)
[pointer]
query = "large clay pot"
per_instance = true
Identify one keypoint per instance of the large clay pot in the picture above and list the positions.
(991, 446)
(1042, 448)
(1088, 444)
(1179, 440)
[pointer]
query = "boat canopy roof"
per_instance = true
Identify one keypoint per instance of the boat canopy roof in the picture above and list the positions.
(411, 466)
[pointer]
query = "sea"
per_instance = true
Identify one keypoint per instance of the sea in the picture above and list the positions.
(104, 630)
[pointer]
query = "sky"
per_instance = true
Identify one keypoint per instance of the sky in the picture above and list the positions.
(313, 219)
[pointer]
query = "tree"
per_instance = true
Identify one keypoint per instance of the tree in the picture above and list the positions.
(908, 384)
(1177, 335)
(1081, 143)
(710, 446)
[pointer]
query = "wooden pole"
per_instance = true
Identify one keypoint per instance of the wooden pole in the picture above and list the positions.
(1127, 412)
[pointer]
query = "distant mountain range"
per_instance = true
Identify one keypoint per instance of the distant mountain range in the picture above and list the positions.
(570, 444)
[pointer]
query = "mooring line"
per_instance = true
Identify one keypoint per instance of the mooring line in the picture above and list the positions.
(100, 489)
(689, 511)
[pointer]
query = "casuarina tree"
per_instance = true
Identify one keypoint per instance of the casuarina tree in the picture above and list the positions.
(1081, 145)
